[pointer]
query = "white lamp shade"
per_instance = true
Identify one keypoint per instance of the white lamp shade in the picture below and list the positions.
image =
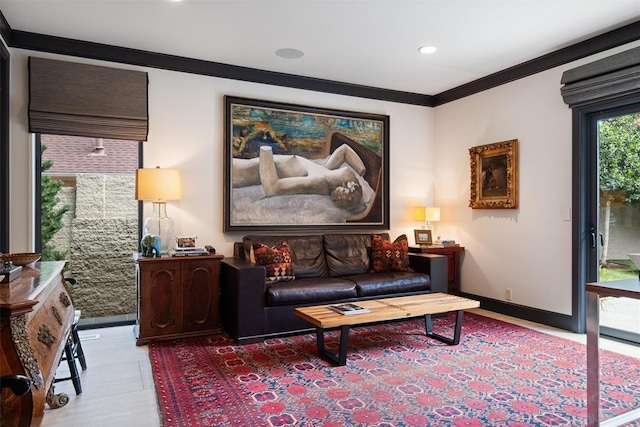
(419, 213)
(431, 214)
(158, 184)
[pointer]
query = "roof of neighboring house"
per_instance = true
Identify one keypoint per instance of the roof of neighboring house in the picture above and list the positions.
(72, 154)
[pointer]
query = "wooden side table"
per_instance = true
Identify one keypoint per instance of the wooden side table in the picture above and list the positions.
(454, 260)
(177, 296)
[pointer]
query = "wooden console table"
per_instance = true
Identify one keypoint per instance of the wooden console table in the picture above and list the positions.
(177, 296)
(454, 260)
(37, 313)
(629, 288)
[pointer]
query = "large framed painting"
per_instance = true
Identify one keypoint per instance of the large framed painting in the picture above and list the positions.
(291, 167)
(494, 175)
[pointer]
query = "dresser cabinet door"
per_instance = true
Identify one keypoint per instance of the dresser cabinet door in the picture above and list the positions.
(160, 299)
(201, 295)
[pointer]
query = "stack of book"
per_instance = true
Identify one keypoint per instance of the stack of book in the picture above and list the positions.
(189, 252)
(449, 243)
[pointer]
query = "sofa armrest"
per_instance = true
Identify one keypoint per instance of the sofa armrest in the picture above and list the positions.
(433, 265)
(243, 293)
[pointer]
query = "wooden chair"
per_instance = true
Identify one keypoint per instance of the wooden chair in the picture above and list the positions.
(73, 349)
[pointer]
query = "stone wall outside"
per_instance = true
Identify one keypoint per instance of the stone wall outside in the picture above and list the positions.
(625, 231)
(100, 234)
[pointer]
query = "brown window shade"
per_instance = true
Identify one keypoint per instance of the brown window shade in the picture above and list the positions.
(68, 98)
(603, 80)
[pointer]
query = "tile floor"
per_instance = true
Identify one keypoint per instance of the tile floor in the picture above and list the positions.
(118, 387)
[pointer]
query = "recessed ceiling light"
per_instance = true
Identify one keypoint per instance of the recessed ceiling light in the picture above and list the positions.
(289, 53)
(427, 49)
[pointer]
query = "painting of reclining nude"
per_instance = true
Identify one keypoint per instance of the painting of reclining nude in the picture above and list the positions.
(296, 167)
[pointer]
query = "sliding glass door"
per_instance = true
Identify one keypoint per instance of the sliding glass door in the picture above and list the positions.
(617, 194)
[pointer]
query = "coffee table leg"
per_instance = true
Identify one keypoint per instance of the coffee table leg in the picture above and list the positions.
(456, 333)
(341, 358)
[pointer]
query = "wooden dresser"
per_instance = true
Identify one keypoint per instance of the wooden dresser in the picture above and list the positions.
(37, 314)
(177, 297)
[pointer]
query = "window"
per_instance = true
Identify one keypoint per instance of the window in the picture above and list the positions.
(93, 181)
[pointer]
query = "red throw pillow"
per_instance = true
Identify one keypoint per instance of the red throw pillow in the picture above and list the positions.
(277, 261)
(387, 256)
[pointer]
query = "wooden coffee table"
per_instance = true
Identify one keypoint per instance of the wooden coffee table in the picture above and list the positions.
(385, 309)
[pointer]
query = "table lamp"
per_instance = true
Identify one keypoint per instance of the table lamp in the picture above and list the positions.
(431, 214)
(159, 185)
(427, 215)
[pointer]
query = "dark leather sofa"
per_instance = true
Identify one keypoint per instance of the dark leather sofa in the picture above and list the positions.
(328, 268)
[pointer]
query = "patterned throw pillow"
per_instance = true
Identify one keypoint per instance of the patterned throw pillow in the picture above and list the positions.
(387, 256)
(277, 261)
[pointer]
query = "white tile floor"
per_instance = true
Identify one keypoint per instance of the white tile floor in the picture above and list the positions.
(118, 386)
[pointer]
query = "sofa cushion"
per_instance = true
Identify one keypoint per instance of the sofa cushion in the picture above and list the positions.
(276, 260)
(347, 254)
(389, 256)
(313, 290)
(307, 253)
(389, 283)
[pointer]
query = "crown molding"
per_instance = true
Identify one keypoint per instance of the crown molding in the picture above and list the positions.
(51, 44)
(614, 38)
(84, 49)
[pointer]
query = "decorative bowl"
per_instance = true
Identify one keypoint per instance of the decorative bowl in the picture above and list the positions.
(20, 258)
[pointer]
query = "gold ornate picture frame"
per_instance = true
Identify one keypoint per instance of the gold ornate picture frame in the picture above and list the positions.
(494, 175)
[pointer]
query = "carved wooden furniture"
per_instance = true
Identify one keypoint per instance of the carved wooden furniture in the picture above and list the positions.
(36, 318)
(18, 384)
(177, 297)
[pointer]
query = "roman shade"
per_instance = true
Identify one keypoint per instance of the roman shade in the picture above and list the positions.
(68, 98)
(608, 78)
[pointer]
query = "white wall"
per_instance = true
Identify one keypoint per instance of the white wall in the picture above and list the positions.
(186, 131)
(528, 249)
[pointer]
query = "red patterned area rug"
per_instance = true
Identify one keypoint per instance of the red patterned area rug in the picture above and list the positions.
(499, 375)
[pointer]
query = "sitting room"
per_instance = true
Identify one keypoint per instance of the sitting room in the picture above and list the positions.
(205, 185)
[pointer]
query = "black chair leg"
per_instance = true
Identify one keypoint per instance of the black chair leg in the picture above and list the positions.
(74, 375)
(73, 368)
(79, 352)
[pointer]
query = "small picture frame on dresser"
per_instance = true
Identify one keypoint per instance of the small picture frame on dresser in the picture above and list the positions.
(423, 237)
(186, 242)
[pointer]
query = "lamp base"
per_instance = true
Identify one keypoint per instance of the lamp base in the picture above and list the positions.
(160, 225)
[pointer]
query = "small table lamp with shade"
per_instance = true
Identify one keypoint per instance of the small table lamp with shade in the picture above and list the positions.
(427, 215)
(159, 185)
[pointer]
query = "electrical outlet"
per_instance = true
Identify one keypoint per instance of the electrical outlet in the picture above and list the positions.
(507, 295)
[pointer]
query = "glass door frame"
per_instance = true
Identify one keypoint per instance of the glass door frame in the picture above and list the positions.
(586, 250)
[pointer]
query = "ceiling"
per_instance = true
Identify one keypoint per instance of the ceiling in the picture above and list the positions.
(365, 42)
